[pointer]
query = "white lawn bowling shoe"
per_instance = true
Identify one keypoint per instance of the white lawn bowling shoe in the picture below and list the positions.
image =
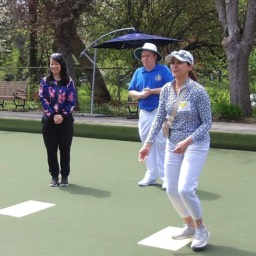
(200, 239)
(187, 231)
(146, 182)
(164, 185)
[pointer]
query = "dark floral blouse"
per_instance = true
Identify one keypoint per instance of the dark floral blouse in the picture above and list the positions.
(57, 98)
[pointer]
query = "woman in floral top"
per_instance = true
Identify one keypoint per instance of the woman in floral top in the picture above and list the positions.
(58, 97)
(187, 146)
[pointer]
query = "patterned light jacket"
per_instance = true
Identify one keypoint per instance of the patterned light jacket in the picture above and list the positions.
(193, 117)
(57, 98)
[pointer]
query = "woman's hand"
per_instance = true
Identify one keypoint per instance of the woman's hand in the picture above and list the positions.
(182, 146)
(144, 152)
(58, 119)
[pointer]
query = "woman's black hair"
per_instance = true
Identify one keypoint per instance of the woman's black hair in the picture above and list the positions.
(65, 79)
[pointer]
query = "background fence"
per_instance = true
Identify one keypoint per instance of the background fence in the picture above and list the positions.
(116, 80)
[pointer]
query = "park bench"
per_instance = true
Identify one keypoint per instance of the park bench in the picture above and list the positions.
(15, 91)
(133, 108)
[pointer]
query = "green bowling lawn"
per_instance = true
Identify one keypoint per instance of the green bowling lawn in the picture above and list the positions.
(105, 213)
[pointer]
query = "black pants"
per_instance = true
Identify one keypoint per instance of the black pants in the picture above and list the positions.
(58, 136)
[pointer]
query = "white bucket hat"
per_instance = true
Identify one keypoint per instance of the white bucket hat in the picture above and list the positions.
(181, 55)
(148, 47)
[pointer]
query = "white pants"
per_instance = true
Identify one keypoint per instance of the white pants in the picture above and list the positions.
(155, 159)
(182, 173)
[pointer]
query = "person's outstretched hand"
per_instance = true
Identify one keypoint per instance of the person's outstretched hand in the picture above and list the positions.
(144, 152)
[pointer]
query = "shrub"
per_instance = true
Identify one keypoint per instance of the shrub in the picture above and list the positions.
(226, 111)
(218, 92)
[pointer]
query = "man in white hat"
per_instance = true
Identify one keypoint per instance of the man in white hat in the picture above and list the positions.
(145, 86)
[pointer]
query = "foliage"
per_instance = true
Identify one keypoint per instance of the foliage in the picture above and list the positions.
(192, 21)
(238, 20)
(117, 80)
(220, 101)
(34, 105)
(226, 111)
(218, 92)
(252, 71)
(4, 22)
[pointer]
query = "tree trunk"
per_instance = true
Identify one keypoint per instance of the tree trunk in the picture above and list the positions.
(69, 44)
(238, 42)
(33, 40)
(101, 93)
(239, 79)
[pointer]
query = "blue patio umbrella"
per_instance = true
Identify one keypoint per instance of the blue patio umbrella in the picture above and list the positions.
(134, 40)
(131, 40)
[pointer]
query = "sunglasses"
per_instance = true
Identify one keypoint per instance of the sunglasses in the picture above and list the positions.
(56, 55)
(182, 54)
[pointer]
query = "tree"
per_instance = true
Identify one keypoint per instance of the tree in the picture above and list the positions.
(192, 21)
(68, 42)
(5, 30)
(3, 22)
(238, 41)
(55, 22)
(65, 25)
(33, 49)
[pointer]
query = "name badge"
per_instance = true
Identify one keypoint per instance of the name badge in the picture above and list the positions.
(184, 106)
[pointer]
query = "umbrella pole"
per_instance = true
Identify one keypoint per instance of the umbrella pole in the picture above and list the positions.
(119, 90)
(93, 80)
(94, 61)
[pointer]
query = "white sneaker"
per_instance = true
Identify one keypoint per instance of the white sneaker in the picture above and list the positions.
(188, 231)
(164, 186)
(201, 238)
(146, 182)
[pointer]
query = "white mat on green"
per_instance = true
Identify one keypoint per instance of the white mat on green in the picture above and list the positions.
(163, 239)
(25, 208)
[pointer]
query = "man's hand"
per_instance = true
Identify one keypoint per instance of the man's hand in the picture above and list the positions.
(145, 93)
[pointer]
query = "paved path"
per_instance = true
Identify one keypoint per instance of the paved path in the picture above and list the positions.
(121, 121)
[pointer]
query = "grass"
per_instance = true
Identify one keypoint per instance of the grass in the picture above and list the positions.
(105, 212)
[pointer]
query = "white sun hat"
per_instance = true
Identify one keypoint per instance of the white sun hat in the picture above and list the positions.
(148, 47)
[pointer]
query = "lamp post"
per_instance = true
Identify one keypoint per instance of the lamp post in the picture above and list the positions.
(94, 60)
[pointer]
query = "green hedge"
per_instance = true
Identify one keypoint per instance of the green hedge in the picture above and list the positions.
(237, 141)
(81, 130)
(110, 132)
(223, 140)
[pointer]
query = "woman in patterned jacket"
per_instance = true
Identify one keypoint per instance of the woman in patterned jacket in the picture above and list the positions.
(187, 146)
(58, 97)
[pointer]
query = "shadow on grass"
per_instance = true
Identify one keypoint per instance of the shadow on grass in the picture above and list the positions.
(203, 195)
(206, 195)
(80, 190)
(218, 250)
